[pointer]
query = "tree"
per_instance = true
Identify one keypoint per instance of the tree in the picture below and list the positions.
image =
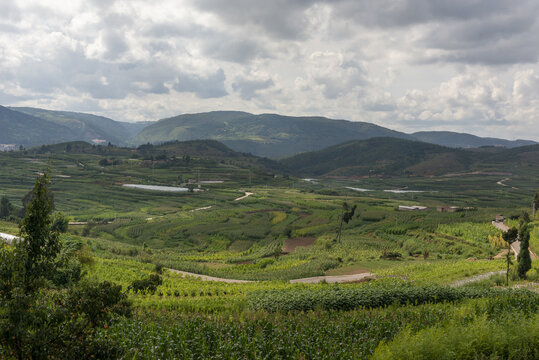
(5, 207)
(509, 236)
(59, 222)
(40, 244)
(535, 203)
(38, 318)
(524, 259)
(346, 216)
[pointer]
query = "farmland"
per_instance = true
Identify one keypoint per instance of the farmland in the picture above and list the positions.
(284, 230)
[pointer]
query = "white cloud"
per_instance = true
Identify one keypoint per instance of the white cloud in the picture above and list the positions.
(407, 64)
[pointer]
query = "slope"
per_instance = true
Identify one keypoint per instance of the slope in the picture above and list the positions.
(382, 156)
(264, 135)
(463, 140)
(87, 127)
(23, 129)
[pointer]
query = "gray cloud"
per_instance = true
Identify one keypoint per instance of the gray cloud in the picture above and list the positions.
(400, 63)
(279, 18)
(248, 88)
(205, 87)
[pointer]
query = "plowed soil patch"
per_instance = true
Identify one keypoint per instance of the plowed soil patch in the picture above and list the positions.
(290, 245)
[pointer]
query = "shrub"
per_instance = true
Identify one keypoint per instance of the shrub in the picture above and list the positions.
(148, 285)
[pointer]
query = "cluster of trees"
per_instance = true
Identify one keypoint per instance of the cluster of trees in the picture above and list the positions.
(46, 309)
(522, 234)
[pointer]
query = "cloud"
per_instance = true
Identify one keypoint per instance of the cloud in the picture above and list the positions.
(205, 87)
(464, 65)
(278, 18)
(250, 88)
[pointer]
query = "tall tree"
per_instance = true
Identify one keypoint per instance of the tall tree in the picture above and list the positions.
(524, 260)
(40, 244)
(509, 236)
(535, 203)
(346, 216)
(5, 207)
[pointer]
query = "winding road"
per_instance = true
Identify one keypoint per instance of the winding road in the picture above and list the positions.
(310, 280)
(515, 245)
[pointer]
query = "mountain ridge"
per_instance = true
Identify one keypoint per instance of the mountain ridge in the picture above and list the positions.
(267, 135)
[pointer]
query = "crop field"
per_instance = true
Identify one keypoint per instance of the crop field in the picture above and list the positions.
(242, 218)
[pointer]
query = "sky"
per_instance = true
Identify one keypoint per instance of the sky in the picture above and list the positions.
(410, 65)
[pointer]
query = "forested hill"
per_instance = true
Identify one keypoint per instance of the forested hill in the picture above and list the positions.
(277, 136)
(462, 140)
(390, 156)
(21, 129)
(267, 135)
(87, 127)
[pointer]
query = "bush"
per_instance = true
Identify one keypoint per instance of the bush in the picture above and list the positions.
(342, 297)
(148, 285)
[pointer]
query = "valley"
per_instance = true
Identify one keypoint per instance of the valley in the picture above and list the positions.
(235, 236)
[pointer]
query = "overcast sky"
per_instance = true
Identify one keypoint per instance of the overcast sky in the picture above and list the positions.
(458, 65)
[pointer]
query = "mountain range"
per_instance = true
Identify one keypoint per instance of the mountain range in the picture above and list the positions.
(267, 135)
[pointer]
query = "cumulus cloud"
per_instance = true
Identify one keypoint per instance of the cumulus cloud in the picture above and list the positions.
(464, 65)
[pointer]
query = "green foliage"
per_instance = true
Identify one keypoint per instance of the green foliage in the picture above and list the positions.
(5, 207)
(315, 334)
(337, 297)
(148, 285)
(515, 338)
(38, 321)
(524, 259)
(40, 245)
(59, 222)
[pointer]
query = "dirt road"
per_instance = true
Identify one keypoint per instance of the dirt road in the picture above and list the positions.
(476, 278)
(208, 278)
(333, 279)
(247, 194)
(515, 246)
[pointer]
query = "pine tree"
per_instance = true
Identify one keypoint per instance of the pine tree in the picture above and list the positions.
(509, 236)
(40, 244)
(524, 259)
(5, 207)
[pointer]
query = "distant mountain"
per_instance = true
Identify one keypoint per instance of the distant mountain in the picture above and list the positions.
(22, 129)
(267, 135)
(397, 157)
(462, 140)
(87, 127)
(380, 156)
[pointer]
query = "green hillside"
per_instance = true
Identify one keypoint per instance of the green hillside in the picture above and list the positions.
(462, 140)
(264, 135)
(87, 127)
(380, 156)
(390, 156)
(22, 129)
